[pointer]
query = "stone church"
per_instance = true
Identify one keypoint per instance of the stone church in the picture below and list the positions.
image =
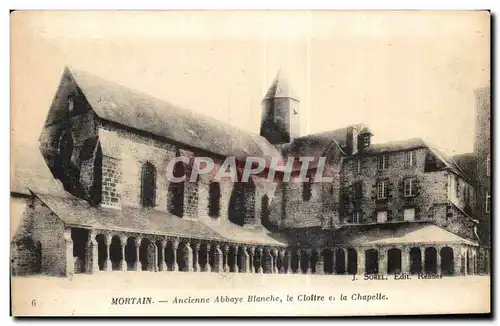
(398, 207)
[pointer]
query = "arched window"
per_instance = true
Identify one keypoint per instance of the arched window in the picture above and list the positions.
(214, 199)
(148, 185)
(264, 212)
(66, 148)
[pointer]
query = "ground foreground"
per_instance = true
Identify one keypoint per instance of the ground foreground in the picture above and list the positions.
(212, 294)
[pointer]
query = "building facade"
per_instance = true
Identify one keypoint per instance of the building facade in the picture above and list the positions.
(400, 207)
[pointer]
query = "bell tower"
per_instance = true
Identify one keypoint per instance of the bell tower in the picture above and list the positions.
(280, 122)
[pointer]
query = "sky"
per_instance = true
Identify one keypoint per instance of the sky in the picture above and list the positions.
(404, 74)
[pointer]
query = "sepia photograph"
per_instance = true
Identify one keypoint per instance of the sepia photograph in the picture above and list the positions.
(250, 163)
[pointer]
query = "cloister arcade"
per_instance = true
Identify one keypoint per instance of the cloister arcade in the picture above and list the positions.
(110, 251)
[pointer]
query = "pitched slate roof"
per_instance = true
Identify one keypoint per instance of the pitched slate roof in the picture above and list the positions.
(467, 162)
(280, 88)
(29, 170)
(316, 144)
(403, 233)
(119, 104)
(77, 212)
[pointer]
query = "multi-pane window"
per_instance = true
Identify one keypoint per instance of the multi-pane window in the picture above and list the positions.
(383, 162)
(409, 185)
(382, 189)
(382, 217)
(410, 158)
(488, 165)
(357, 166)
(356, 217)
(409, 214)
(488, 202)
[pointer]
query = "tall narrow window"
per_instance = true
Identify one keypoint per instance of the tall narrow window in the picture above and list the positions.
(306, 190)
(383, 162)
(358, 190)
(358, 166)
(214, 199)
(148, 185)
(409, 184)
(488, 202)
(382, 190)
(410, 158)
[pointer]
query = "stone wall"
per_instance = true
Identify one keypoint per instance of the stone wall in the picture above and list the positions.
(40, 232)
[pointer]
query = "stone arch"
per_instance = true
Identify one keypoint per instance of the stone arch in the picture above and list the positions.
(102, 254)
(340, 267)
(169, 255)
(175, 204)
(447, 261)
(148, 185)
(182, 257)
(393, 261)
(352, 261)
(231, 259)
(415, 260)
(79, 237)
(214, 199)
(328, 261)
(130, 253)
(115, 253)
(430, 266)
(371, 261)
(144, 254)
(304, 260)
(294, 264)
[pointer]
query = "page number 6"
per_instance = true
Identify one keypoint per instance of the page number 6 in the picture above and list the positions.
(33, 303)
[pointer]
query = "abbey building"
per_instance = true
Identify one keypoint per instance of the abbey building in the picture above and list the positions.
(398, 207)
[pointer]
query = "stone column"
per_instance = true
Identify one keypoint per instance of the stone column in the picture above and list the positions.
(207, 265)
(269, 261)
(299, 260)
(162, 265)
(137, 264)
(438, 260)
(92, 254)
(309, 259)
(123, 265)
(361, 261)
(107, 263)
(260, 270)
(218, 261)
(225, 260)
(70, 264)
(189, 253)
(288, 266)
(151, 254)
(346, 261)
(320, 263)
(334, 261)
(457, 260)
(405, 259)
(281, 256)
(422, 260)
(175, 245)
(382, 260)
(275, 259)
(246, 260)
(235, 253)
(196, 257)
(251, 252)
